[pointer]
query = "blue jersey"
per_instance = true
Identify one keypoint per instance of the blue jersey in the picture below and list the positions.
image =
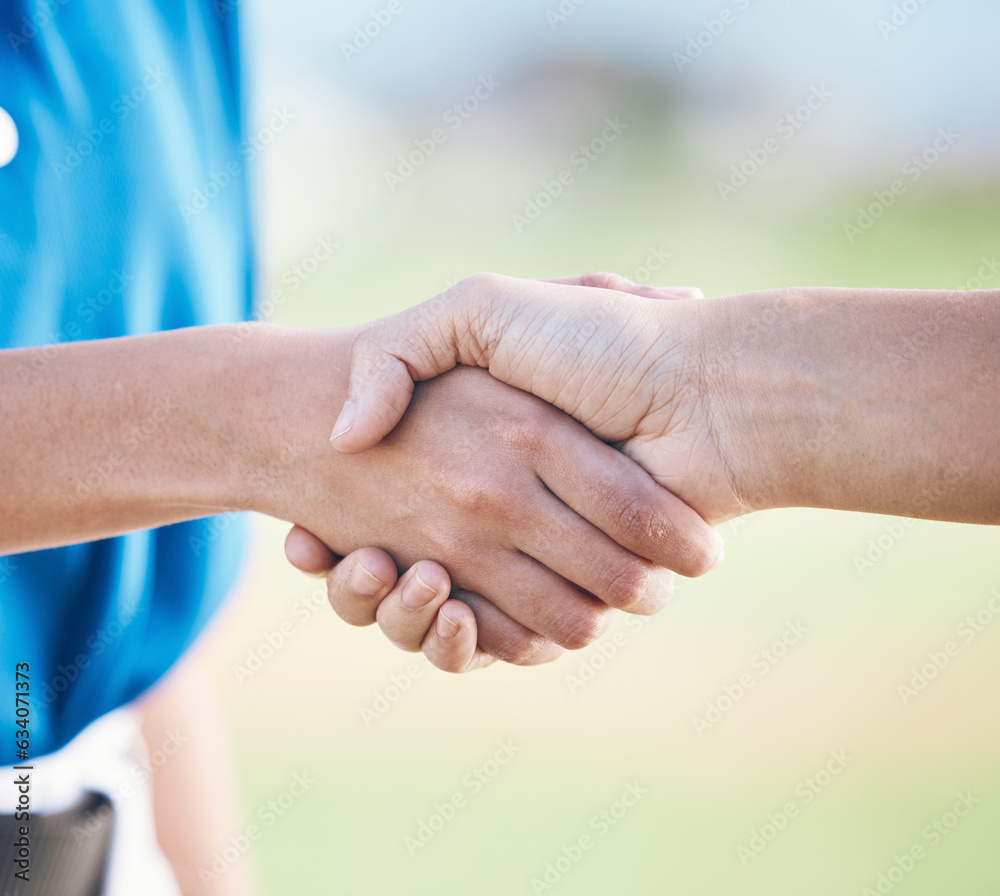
(123, 211)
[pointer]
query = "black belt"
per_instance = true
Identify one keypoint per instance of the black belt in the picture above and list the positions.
(61, 855)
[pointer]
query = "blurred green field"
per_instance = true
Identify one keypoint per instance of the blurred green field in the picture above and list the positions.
(577, 745)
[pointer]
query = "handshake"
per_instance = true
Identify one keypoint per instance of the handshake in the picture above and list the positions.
(592, 435)
(616, 425)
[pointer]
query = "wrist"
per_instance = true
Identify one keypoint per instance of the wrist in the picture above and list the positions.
(764, 409)
(279, 388)
(868, 400)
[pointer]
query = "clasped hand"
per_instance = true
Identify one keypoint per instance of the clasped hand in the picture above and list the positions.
(522, 531)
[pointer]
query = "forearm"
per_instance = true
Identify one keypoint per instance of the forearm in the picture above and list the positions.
(883, 401)
(103, 437)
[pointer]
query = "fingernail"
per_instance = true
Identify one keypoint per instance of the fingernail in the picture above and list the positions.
(363, 581)
(417, 593)
(446, 627)
(345, 421)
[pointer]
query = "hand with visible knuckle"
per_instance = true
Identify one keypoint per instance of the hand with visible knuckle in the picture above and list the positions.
(628, 586)
(481, 485)
(443, 486)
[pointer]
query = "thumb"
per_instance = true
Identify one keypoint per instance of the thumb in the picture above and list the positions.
(307, 553)
(461, 326)
(379, 393)
(388, 356)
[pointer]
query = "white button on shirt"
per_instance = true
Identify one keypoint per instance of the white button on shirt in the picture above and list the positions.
(8, 137)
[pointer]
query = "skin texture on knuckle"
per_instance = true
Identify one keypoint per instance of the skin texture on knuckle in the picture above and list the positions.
(635, 519)
(525, 650)
(476, 495)
(658, 593)
(629, 587)
(693, 550)
(576, 630)
(528, 433)
(701, 557)
(469, 309)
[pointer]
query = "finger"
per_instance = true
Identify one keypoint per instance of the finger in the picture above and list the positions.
(450, 643)
(408, 612)
(359, 583)
(387, 357)
(605, 280)
(307, 553)
(503, 638)
(541, 601)
(564, 542)
(615, 494)
(379, 393)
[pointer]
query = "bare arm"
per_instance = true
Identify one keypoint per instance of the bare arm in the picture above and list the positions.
(877, 400)
(103, 437)
(519, 503)
(885, 401)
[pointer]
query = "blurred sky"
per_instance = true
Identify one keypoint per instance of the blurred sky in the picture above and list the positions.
(895, 73)
(938, 65)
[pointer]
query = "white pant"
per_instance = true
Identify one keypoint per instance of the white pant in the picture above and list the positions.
(105, 757)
